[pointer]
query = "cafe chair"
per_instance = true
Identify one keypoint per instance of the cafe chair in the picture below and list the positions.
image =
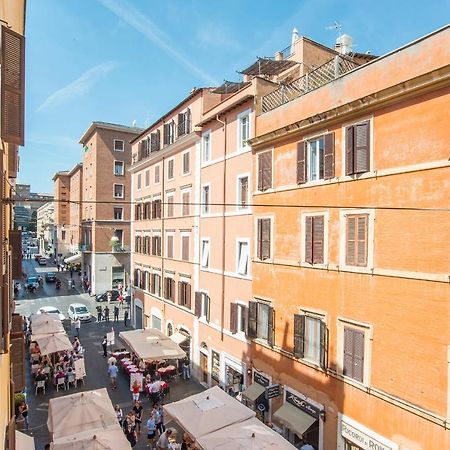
(39, 385)
(60, 382)
(71, 379)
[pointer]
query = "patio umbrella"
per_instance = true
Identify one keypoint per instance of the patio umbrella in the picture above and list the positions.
(80, 412)
(111, 438)
(52, 343)
(208, 411)
(251, 434)
(44, 317)
(47, 327)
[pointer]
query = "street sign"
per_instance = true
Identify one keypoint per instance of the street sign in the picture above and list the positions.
(273, 391)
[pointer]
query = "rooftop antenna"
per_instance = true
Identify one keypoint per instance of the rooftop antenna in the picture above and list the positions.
(336, 26)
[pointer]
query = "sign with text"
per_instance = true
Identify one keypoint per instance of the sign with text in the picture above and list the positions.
(136, 377)
(260, 379)
(80, 370)
(273, 391)
(363, 440)
(302, 404)
(110, 338)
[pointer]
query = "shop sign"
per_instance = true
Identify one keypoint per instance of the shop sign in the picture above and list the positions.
(273, 391)
(215, 365)
(260, 379)
(362, 440)
(302, 404)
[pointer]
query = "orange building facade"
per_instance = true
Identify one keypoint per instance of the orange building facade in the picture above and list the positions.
(351, 262)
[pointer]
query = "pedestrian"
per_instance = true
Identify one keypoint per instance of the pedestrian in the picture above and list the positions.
(154, 389)
(109, 297)
(186, 369)
(125, 317)
(112, 360)
(151, 430)
(104, 343)
(306, 446)
(120, 299)
(116, 313)
(23, 409)
(163, 441)
(137, 408)
(106, 313)
(130, 434)
(71, 272)
(99, 313)
(159, 418)
(77, 323)
(135, 389)
(112, 370)
(119, 414)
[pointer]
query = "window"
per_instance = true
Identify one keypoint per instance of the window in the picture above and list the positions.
(184, 123)
(156, 174)
(310, 339)
(169, 329)
(156, 284)
(156, 209)
(357, 148)
(205, 253)
(170, 206)
(147, 178)
(63, 235)
(184, 294)
(202, 305)
(156, 322)
(265, 170)
(170, 169)
(260, 321)
(356, 240)
(155, 141)
(186, 200)
(238, 318)
(118, 213)
(354, 353)
(118, 168)
(119, 145)
(243, 130)
(263, 244)
(314, 239)
(119, 190)
(169, 133)
(242, 192)
(169, 246)
(315, 159)
(205, 199)
(242, 257)
(206, 146)
(186, 163)
(118, 234)
(185, 248)
(156, 245)
(139, 181)
(169, 289)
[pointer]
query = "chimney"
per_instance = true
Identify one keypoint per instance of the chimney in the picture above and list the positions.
(278, 56)
(344, 44)
(294, 37)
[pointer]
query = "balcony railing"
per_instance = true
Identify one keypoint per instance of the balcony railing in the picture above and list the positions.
(331, 70)
(121, 249)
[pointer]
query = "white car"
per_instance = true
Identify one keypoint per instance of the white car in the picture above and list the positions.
(79, 310)
(50, 309)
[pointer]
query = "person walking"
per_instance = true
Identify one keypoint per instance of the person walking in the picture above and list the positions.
(135, 389)
(116, 313)
(71, 272)
(163, 441)
(106, 313)
(151, 431)
(99, 313)
(186, 369)
(104, 344)
(77, 323)
(125, 317)
(112, 370)
(119, 414)
(137, 408)
(159, 419)
(23, 409)
(109, 297)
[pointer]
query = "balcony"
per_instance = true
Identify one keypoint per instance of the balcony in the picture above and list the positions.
(84, 247)
(121, 249)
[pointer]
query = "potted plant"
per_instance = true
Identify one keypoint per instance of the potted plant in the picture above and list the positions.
(18, 399)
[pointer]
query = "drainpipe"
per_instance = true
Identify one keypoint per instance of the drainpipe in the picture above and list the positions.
(163, 202)
(222, 312)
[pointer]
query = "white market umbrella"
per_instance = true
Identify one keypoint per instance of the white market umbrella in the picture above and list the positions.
(52, 343)
(80, 412)
(43, 317)
(47, 327)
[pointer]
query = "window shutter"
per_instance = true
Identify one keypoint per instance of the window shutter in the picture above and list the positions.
(259, 240)
(271, 327)
(166, 133)
(185, 248)
(252, 319)
(13, 161)
(188, 295)
(158, 241)
(12, 86)
(180, 293)
(328, 156)
(185, 203)
(362, 240)
(309, 239)
(265, 239)
(361, 147)
(299, 335)
(323, 345)
(265, 171)
(186, 162)
(15, 242)
(244, 192)
(348, 352)
(198, 304)
(180, 124)
(301, 162)
(187, 117)
(261, 162)
(350, 241)
(18, 362)
(358, 353)
(233, 317)
(349, 150)
(136, 212)
(318, 235)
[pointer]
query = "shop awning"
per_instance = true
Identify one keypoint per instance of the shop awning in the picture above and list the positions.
(294, 418)
(73, 259)
(253, 391)
(178, 338)
(24, 442)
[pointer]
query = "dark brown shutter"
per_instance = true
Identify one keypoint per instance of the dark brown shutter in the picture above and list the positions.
(159, 245)
(265, 171)
(301, 162)
(350, 241)
(265, 239)
(349, 157)
(158, 140)
(361, 147)
(309, 239)
(13, 160)
(233, 317)
(244, 192)
(15, 242)
(318, 238)
(188, 290)
(323, 345)
(271, 326)
(12, 86)
(348, 352)
(18, 361)
(328, 156)
(358, 352)
(136, 212)
(180, 293)
(180, 124)
(260, 171)
(252, 319)
(166, 133)
(299, 335)
(198, 304)
(259, 240)
(185, 248)
(186, 162)
(362, 240)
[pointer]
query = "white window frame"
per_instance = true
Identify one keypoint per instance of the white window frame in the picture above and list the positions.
(308, 159)
(367, 329)
(203, 204)
(239, 117)
(317, 316)
(208, 242)
(184, 234)
(240, 304)
(123, 145)
(159, 173)
(170, 234)
(114, 190)
(343, 239)
(123, 168)
(138, 181)
(183, 173)
(117, 207)
(207, 133)
(205, 296)
(238, 191)
(240, 241)
(147, 177)
(326, 220)
(170, 160)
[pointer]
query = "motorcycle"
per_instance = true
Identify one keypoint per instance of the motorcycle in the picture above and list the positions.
(58, 284)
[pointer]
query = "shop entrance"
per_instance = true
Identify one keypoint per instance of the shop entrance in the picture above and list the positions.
(203, 368)
(234, 380)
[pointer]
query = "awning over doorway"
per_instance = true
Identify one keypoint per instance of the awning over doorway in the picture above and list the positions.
(178, 338)
(24, 442)
(253, 391)
(294, 418)
(73, 259)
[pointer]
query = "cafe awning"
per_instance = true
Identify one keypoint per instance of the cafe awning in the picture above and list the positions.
(73, 259)
(178, 338)
(24, 442)
(294, 418)
(52, 343)
(254, 391)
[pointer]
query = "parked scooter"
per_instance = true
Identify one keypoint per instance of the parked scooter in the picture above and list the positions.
(58, 283)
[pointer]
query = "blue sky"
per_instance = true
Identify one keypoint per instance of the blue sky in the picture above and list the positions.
(125, 60)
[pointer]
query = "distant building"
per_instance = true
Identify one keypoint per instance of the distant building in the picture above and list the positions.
(46, 230)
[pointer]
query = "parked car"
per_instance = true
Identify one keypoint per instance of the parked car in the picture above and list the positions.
(37, 257)
(42, 261)
(32, 283)
(51, 309)
(50, 277)
(79, 310)
(104, 297)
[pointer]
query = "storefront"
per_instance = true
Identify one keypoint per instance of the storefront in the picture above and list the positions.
(255, 395)
(301, 420)
(354, 436)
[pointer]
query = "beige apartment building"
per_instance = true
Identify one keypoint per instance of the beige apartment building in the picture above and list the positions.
(61, 184)
(106, 195)
(45, 229)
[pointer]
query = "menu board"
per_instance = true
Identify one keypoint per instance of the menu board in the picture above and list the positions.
(137, 376)
(215, 366)
(80, 370)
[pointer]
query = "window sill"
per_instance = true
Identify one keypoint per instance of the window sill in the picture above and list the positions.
(322, 266)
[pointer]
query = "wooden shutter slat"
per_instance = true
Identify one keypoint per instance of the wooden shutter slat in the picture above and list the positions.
(252, 319)
(188, 296)
(328, 156)
(349, 131)
(309, 239)
(358, 355)
(271, 326)
(259, 239)
(15, 242)
(260, 171)
(265, 239)
(351, 240)
(323, 345)
(233, 317)
(301, 162)
(362, 240)
(299, 335)
(198, 303)
(267, 171)
(361, 147)
(318, 238)
(348, 352)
